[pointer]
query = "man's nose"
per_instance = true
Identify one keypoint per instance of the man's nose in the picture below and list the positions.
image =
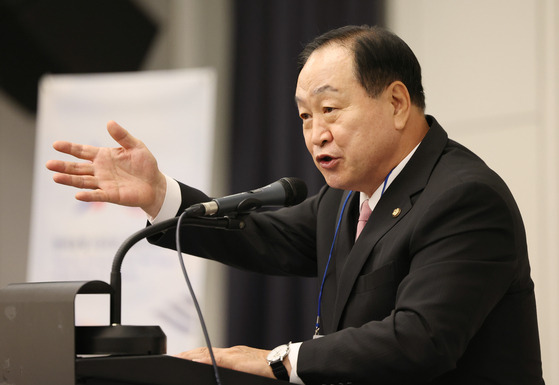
(321, 133)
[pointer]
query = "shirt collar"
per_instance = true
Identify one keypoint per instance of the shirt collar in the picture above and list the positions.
(375, 198)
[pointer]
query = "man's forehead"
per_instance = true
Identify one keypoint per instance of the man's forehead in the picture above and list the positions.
(328, 58)
(325, 66)
(326, 62)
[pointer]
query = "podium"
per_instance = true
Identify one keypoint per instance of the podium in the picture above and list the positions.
(158, 370)
(40, 344)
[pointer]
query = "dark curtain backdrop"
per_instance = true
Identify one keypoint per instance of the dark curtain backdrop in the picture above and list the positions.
(267, 144)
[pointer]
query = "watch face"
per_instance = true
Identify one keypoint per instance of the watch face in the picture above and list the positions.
(278, 353)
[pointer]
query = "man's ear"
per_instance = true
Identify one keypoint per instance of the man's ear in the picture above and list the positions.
(401, 103)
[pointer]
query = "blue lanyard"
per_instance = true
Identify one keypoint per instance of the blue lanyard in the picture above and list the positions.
(317, 324)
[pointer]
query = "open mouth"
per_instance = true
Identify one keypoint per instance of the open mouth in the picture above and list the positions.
(326, 161)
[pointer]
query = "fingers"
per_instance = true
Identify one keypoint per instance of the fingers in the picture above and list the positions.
(92, 196)
(73, 174)
(80, 151)
(86, 152)
(72, 168)
(78, 181)
(122, 136)
(88, 183)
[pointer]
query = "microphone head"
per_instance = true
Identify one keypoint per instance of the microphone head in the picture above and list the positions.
(295, 190)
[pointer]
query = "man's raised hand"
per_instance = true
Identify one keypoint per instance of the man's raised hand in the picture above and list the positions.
(126, 175)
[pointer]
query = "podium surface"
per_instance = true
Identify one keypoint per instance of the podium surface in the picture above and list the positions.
(157, 370)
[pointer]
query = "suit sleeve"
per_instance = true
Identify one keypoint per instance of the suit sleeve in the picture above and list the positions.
(281, 242)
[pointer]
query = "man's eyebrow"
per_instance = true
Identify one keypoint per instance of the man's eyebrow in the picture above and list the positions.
(319, 90)
(324, 88)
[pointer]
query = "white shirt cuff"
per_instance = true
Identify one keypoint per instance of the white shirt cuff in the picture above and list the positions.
(171, 204)
(293, 356)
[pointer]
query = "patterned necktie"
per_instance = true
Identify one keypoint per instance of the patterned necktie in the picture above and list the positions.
(363, 217)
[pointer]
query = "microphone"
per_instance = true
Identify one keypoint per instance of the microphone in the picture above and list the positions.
(284, 192)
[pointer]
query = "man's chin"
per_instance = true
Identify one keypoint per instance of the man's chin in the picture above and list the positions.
(336, 183)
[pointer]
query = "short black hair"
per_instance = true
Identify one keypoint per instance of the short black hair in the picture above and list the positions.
(380, 58)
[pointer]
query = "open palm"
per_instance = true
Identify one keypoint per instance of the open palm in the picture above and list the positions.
(126, 175)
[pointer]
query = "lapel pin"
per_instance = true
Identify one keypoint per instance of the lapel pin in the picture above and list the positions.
(396, 212)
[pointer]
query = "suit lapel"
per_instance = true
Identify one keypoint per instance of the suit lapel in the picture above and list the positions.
(412, 179)
(346, 237)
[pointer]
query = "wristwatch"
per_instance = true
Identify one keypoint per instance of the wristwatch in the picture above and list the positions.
(275, 360)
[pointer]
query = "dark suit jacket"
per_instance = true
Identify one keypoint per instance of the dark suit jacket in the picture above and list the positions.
(436, 290)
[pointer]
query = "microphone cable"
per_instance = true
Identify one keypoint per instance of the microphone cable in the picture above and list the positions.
(196, 305)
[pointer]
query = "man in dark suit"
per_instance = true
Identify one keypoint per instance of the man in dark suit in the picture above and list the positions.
(434, 289)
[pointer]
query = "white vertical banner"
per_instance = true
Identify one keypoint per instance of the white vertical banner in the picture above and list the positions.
(172, 112)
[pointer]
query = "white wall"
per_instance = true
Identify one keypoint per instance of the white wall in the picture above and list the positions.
(489, 70)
